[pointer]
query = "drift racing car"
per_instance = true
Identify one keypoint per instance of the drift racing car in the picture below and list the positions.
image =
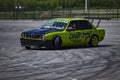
(63, 32)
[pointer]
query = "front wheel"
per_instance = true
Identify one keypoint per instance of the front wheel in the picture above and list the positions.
(94, 41)
(57, 43)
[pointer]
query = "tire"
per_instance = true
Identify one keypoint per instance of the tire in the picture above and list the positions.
(57, 43)
(27, 47)
(94, 41)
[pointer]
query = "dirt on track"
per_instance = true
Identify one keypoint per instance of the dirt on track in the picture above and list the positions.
(81, 63)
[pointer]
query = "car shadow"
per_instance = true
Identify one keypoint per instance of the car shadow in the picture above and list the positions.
(68, 48)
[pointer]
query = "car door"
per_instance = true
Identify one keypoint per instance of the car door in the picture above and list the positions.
(72, 35)
(78, 33)
(85, 29)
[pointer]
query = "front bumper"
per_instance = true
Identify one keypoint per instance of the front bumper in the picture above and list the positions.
(39, 43)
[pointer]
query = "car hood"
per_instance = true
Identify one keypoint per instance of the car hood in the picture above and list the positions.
(40, 31)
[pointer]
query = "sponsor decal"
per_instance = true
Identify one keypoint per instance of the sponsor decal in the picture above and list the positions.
(78, 36)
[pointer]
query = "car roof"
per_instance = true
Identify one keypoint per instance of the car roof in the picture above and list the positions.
(69, 19)
(66, 20)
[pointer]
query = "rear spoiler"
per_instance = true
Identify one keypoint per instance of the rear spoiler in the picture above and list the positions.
(97, 18)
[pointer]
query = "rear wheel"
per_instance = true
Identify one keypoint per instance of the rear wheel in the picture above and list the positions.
(57, 43)
(27, 47)
(94, 41)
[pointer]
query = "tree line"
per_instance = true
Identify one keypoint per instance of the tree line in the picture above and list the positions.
(10, 5)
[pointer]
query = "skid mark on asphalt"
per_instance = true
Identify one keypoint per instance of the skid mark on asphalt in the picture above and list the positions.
(111, 58)
(28, 63)
(48, 69)
(67, 70)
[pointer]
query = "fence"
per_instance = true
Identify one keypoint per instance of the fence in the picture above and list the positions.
(36, 15)
(109, 9)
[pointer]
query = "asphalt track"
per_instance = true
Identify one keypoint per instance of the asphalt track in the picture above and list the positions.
(81, 63)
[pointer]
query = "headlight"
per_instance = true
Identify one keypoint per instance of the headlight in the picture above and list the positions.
(42, 37)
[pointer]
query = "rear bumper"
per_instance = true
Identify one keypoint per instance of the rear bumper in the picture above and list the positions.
(39, 43)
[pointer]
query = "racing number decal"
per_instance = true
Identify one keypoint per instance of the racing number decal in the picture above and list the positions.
(77, 36)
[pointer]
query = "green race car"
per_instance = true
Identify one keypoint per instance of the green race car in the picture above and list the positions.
(63, 32)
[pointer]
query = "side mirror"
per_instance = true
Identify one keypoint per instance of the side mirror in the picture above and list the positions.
(70, 29)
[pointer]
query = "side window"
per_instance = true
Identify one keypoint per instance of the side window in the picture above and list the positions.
(73, 25)
(83, 25)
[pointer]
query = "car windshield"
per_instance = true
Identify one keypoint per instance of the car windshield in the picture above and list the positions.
(54, 24)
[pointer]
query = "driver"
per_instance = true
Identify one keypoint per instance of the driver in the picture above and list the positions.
(72, 25)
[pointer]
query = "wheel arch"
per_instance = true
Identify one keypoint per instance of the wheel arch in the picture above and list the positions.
(94, 35)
